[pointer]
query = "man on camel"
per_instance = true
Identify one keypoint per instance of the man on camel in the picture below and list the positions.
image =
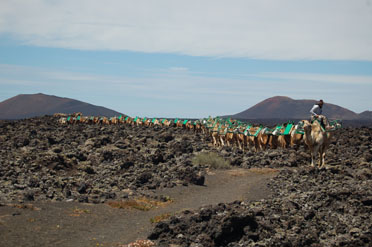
(316, 113)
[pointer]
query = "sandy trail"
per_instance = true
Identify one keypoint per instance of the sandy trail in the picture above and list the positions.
(78, 224)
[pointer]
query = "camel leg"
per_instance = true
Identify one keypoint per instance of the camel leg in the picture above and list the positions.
(316, 150)
(256, 144)
(245, 143)
(322, 157)
(239, 145)
(312, 159)
(214, 140)
(312, 152)
(222, 142)
(228, 142)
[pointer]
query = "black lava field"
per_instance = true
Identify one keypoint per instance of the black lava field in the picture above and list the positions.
(41, 160)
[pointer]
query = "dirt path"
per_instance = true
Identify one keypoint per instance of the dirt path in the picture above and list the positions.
(77, 224)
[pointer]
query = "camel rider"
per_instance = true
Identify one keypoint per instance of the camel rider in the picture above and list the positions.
(316, 111)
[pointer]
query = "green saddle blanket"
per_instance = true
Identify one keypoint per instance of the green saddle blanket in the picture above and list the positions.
(287, 129)
(258, 131)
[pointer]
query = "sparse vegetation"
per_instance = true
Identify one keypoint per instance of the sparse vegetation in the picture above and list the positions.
(143, 204)
(24, 206)
(159, 218)
(139, 243)
(78, 212)
(211, 159)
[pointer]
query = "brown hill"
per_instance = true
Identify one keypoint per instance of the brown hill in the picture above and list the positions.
(280, 107)
(365, 115)
(32, 105)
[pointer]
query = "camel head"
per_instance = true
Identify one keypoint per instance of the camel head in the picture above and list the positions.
(307, 126)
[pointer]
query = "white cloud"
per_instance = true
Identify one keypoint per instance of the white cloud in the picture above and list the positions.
(329, 78)
(184, 94)
(265, 29)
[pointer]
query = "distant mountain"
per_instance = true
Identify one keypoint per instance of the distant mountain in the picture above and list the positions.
(281, 107)
(32, 105)
(365, 115)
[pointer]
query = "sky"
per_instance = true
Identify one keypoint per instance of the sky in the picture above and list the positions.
(190, 59)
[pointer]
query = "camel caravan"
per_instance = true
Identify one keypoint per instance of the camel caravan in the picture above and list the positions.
(77, 118)
(315, 134)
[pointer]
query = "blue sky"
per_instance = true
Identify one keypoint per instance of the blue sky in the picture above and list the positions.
(171, 58)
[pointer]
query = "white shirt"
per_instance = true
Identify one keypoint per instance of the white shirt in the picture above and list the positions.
(316, 110)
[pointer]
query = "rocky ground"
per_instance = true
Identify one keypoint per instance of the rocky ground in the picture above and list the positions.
(41, 160)
(309, 207)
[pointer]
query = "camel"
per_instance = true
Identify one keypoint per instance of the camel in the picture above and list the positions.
(144, 121)
(165, 122)
(204, 126)
(59, 115)
(269, 137)
(137, 121)
(297, 134)
(190, 125)
(62, 120)
(78, 119)
(178, 123)
(251, 137)
(197, 127)
(263, 138)
(317, 139)
(184, 124)
(246, 136)
(114, 120)
(239, 140)
(69, 120)
(104, 120)
(128, 120)
(84, 119)
(154, 122)
(76, 114)
(90, 120)
(238, 137)
(214, 131)
(284, 138)
(221, 134)
(229, 136)
(96, 120)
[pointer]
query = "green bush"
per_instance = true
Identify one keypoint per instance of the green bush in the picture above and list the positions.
(213, 160)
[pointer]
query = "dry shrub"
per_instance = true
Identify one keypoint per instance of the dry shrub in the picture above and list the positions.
(78, 212)
(211, 159)
(143, 204)
(238, 172)
(159, 218)
(24, 206)
(139, 243)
